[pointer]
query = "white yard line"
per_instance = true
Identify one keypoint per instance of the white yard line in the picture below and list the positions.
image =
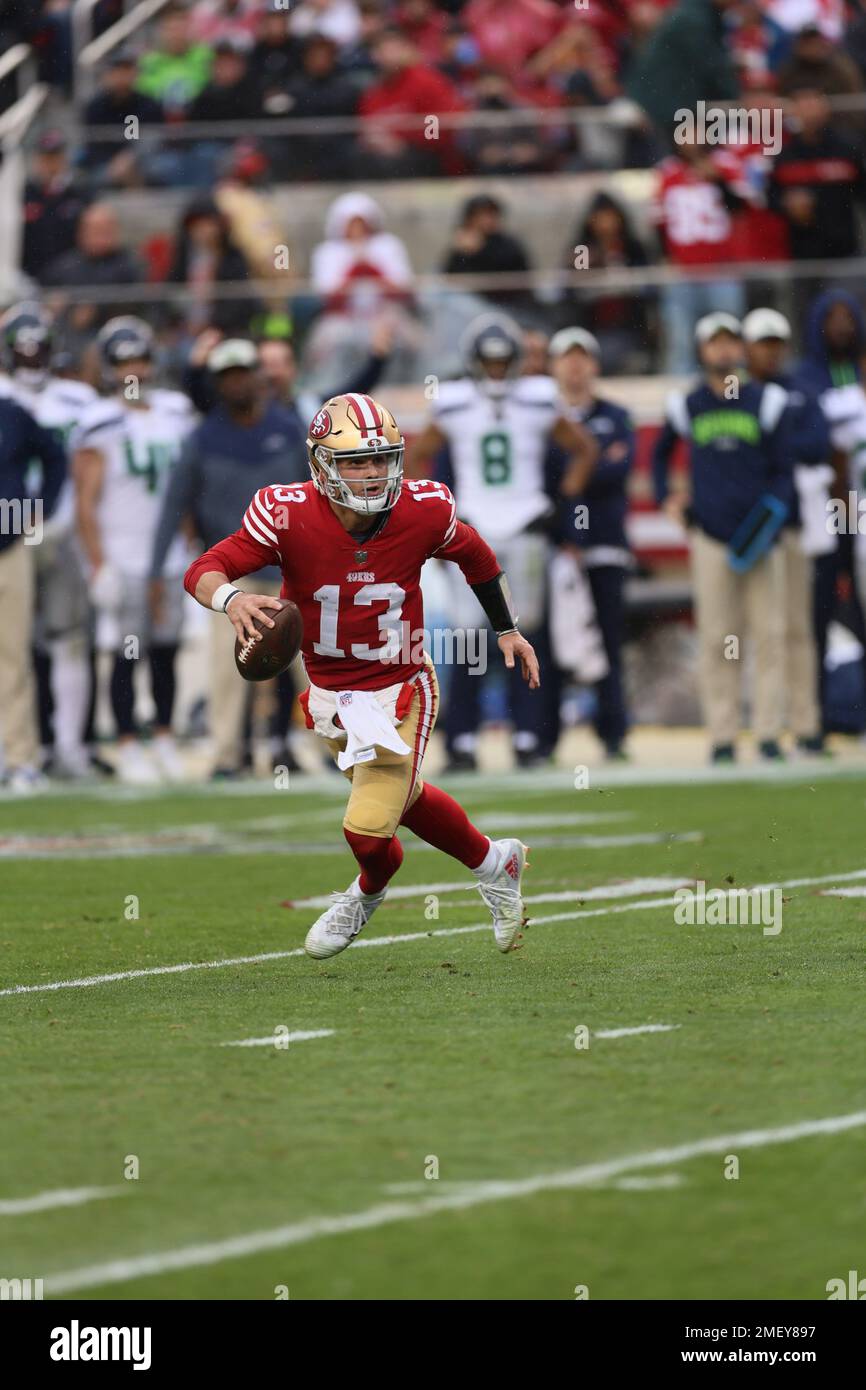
(611, 890)
(203, 839)
(632, 1032)
(644, 905)
(409, 890)
(517, 820)
(606, 890)
(844, 892)
(476, 785)
(119, 1271)
(87, 981)
(638, 1184)
(63, 1197)
(278, 1040)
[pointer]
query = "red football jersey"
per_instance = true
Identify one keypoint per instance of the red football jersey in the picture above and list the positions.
(691, 212)
(360, 599)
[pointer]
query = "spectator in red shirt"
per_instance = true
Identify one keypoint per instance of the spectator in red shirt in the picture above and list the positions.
(425, 26)
(405, 86)
(698, 190)
(508, 32)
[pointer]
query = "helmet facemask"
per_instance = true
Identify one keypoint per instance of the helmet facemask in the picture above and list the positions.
(374, 495)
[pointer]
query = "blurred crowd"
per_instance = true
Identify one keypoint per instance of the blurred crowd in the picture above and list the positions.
(715, 208)
(219, 61)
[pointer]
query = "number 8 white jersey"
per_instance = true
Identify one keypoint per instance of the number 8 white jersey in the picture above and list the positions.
(140, 447)
(498, 446)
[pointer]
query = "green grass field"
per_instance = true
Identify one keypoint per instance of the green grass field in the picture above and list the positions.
(312, 1157)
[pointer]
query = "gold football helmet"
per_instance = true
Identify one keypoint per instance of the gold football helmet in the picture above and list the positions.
(353, 428)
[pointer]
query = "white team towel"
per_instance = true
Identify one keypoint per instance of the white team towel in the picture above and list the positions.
(574, 634)
(813, 490)
(368, 717)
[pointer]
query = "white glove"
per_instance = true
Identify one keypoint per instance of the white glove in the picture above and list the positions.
(105, 589)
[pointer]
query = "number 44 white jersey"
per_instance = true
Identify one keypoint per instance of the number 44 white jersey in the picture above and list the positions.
(139, 445)
(498, 446)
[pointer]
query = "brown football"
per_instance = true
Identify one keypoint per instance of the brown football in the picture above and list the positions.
(260, 660)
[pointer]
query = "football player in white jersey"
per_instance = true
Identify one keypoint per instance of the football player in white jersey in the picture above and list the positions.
(125, 447)
(62, 604)
(497, 427)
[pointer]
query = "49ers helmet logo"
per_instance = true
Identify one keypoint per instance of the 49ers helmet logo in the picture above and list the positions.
(321, 425)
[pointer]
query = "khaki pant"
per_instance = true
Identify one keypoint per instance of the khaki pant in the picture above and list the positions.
(229, 692)
(18, 731)
(730, 605)
(385, 788)
(801, 656)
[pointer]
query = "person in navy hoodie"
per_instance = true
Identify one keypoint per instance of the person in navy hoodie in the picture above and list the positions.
(742, 483)
(835, 344)
(22, 512)
(595, 521)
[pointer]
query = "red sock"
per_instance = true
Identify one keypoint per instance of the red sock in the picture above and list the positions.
(379, 859)
(442, 822)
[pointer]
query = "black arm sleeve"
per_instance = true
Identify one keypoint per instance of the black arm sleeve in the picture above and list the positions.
(495, 598)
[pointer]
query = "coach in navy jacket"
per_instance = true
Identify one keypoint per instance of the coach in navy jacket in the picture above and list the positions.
(595, 521)
(740, 450)
(22, 443)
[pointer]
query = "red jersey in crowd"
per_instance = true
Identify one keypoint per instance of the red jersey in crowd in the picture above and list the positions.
(690, 209)
(415, 91)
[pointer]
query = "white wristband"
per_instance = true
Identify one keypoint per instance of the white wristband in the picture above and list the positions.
(220, 601)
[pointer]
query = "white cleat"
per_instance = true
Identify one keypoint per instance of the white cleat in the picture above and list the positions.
(502, 894)
(26, 781)
(167, 758)
(337, 928)
(135, 767)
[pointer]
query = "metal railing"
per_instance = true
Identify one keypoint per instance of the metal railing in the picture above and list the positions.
(631, 281)
(14, 125)
(87, 53)
(19, 59)
(621, 114)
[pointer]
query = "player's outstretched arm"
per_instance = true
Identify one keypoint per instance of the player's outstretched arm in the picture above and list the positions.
(215, 590)
(495, 598)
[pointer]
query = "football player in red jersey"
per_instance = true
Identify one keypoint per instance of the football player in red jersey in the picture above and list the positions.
(351, 544)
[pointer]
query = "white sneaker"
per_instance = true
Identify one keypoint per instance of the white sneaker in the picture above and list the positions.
(167, 758)
(72, 764)
(337, 928)
(502, 893)
(135, 767)
(27, 780)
